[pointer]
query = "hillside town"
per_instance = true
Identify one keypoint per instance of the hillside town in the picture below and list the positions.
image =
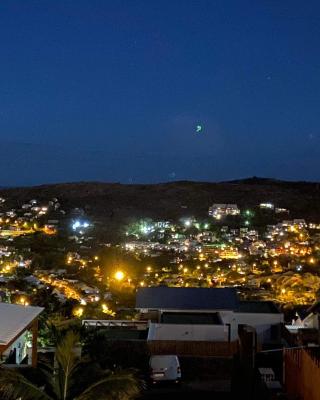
(260, 251)
(260, 266)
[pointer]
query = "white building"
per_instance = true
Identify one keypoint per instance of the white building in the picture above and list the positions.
(15, 321)
(219, 211)
(206, 314)
(266, 206)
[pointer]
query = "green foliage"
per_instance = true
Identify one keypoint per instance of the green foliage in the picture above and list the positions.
(70, 379)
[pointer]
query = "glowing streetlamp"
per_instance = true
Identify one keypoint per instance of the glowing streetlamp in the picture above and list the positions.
(119, 275)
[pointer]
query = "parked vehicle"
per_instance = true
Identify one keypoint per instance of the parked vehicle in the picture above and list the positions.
(165, 368)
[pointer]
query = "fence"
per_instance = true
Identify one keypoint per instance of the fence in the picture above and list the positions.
(302, 373)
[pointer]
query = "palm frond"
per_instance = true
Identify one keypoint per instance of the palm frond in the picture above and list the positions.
(65, 352)
(14, 385)
(67, 361)
(118, 386)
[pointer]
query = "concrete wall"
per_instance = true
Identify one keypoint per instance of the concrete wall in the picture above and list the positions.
(262, 322)
(311, 321)
(214, 333)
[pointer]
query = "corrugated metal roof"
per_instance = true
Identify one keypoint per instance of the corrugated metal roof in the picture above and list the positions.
(163, 297)
(14, 319)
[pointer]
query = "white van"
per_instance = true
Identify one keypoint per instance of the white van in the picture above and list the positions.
(165, 368)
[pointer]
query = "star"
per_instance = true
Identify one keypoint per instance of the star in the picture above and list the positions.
(199, 128)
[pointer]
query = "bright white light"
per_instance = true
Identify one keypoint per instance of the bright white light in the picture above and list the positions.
(187, 222)
(76, 225)
(145, 229)
(266, 205)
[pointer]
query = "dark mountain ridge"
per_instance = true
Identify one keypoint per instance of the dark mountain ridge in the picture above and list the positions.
(174, 199)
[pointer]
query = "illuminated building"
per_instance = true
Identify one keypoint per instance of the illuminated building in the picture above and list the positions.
(220, 210)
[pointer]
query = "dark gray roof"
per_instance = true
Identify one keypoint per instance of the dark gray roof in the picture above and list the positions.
(261, 307)
(163, 297)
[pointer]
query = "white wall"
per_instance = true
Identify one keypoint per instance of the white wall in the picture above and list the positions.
(262, 322)
(21, 348)
(214, 333)
(311, 321)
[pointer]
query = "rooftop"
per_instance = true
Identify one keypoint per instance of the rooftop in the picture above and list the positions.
(260, 307)
(172, 298)
(14, 319)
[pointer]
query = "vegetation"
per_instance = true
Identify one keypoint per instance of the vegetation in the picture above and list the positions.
(115, 205)
(70, 378)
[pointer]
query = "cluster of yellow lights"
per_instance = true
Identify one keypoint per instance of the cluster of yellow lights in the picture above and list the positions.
(63, 286)
(107, 310)
(6, 268)
(23, 301)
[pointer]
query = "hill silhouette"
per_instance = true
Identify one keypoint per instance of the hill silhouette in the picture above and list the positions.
(113, 204)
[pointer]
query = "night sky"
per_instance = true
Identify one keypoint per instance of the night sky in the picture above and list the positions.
(114, 90)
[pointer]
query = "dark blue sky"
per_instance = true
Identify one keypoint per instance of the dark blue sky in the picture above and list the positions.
(113, 90)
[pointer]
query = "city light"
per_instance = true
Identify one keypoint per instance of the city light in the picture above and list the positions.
(119, 275)
(78, 312)
(78, 225)
(23, 301)
(107, 310)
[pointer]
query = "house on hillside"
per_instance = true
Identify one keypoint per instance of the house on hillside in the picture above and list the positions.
(16, 322)
(218, 211)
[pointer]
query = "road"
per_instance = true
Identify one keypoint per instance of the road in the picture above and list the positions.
(202, 390)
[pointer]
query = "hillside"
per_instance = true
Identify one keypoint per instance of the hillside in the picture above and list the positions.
(114, 203)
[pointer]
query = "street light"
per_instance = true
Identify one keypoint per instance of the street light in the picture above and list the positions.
(119, 275)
